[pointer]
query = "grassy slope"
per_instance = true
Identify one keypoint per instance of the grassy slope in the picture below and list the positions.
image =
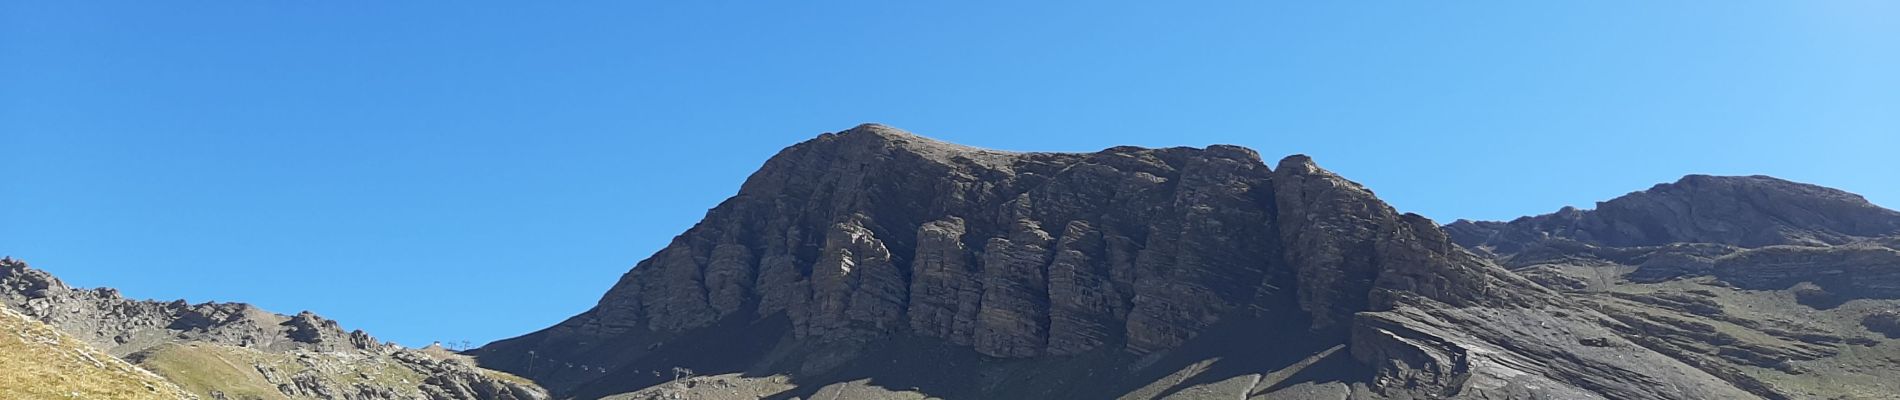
(202, 368)
(38, 362)
(206, 368)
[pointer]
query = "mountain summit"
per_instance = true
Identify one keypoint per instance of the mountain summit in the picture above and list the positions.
(875, 263)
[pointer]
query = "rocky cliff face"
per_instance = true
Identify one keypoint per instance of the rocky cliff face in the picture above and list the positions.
(1083, 275)
(302, 356)
(873, 231)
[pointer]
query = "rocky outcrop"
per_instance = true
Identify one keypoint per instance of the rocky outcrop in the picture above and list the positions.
(451, 379)
(1086, 309)
(133, 329)
(1886, 322)
(872, 236)
(1330, 227)
(945, 288)
(1841, 272)
(1011, 320)
(1342, 240)
(855, 289)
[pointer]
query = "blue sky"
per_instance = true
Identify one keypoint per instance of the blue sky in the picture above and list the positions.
(474, 171)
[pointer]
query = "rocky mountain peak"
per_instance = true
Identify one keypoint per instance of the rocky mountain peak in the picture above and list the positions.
(1297, 163)
(873, 142)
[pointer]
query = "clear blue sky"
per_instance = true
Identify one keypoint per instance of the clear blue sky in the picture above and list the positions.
(465, 171)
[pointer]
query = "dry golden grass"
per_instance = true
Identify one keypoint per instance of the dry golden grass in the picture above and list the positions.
(38, 362)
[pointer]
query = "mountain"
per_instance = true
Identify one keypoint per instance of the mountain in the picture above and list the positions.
(1787, 289)
(1745, 211)
(39, 362)
(237, 351)
(874, 263)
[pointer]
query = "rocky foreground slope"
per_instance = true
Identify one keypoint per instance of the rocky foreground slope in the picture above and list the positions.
(237, 351)
(873, 263)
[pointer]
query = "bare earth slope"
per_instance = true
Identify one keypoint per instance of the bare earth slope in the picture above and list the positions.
(237, 351)
(873, 263)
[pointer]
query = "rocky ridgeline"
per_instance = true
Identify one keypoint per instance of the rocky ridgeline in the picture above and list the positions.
(129, 329)
(873, 234)
(1745, 211)
(122, 327)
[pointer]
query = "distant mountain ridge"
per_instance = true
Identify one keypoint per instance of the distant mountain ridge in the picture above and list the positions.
(1747, 211)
